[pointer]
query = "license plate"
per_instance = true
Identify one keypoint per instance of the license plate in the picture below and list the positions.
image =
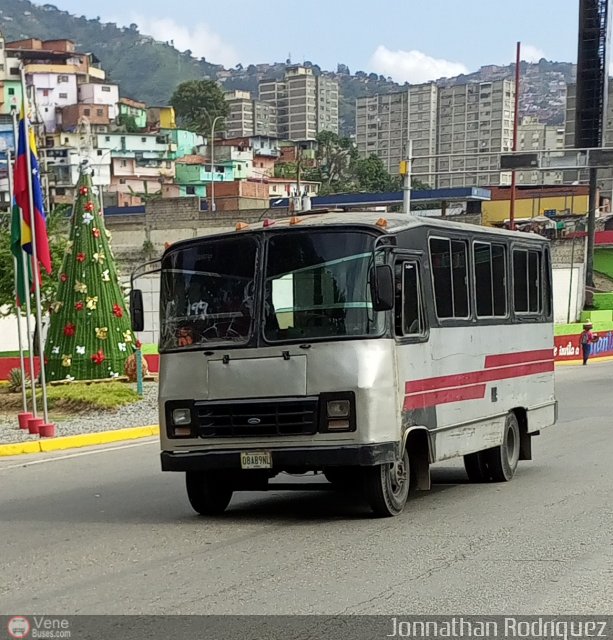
(256, 460)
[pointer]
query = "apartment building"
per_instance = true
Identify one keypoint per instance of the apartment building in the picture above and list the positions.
(306, 104)
(249, 117)
(385, 123)
(475, 125)
(533, 135)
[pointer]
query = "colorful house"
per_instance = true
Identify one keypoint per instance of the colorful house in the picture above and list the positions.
(129, 108)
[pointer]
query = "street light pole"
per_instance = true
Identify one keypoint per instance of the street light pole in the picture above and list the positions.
(213, 161)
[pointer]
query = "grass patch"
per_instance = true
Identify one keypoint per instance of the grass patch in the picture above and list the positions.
(77, 397)
(572, 329)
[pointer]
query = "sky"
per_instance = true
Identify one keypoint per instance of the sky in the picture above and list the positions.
(409, 40)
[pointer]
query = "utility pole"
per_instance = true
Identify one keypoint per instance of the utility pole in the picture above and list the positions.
(405, 172)
(212, 143)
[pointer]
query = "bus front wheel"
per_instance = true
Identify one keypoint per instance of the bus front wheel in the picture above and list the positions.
(386, 486)
(208, 495)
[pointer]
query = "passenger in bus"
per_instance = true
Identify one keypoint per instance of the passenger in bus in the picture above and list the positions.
(587, 339)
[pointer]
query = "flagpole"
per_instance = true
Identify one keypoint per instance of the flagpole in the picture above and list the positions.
(22, 363)
(36, 274)
(26, 287)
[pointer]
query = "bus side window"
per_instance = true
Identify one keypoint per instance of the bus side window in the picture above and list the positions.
(409, 313)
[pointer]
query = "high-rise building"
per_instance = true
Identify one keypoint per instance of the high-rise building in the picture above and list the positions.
(605, 175)
(248, 117)
(306, 104)
(385, 123)
(475, 125)
(533, 135)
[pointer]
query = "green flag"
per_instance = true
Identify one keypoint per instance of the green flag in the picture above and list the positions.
(17, 251)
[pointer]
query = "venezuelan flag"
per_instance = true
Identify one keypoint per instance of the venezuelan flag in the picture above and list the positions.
(22, 196)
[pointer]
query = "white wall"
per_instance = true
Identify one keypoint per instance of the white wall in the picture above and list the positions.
(58, 94)
(95, 93)
(561, 287)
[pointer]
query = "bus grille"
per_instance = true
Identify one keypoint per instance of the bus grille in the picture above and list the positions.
(257, 418)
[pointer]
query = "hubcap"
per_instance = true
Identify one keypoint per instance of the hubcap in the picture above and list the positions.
(397, 477)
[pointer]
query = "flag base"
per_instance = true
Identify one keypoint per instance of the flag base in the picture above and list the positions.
(23, 419)
(46, 431)
(34, 425)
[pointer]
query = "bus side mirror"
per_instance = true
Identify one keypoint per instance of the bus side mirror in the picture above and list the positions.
(382, 287)
(137, 310)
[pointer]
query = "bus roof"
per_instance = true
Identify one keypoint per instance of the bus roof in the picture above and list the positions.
(385, 223)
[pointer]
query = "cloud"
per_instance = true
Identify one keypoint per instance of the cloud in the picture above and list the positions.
(530, 53)
(198, 38)
(413, 66)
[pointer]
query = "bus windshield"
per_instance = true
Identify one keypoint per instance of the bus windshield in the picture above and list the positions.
(317, 287)
(207, 294)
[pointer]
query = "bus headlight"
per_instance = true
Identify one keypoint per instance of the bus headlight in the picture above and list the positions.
(337, 412)
(338, 409)
(181, 417)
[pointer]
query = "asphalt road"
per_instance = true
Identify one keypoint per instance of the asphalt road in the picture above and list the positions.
(105, 531)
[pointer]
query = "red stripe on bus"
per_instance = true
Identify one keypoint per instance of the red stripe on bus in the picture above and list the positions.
(478, 377)
(506, 359)
(446, 396)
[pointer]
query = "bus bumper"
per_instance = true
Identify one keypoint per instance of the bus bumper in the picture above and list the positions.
(311, 458)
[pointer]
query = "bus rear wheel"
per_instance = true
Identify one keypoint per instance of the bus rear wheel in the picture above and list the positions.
(386, 486)
(208, 494)
(500, 463)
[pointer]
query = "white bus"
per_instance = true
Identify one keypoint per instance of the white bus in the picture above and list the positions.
(360, 347)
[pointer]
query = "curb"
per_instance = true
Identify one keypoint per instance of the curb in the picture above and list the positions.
(75, 442)
(570, 363)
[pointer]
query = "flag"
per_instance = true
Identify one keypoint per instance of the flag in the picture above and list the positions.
(17, 251)
(22, 196)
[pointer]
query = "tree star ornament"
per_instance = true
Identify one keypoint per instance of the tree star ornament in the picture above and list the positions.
(81, 350)
(55, 351)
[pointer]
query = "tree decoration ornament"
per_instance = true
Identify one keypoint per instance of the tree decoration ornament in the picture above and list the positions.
(91, 302)
(102, 333)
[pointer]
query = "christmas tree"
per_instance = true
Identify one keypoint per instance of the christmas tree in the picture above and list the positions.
(89, 336)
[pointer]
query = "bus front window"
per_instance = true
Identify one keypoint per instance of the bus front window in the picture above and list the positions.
(207, 294)
(317, 287)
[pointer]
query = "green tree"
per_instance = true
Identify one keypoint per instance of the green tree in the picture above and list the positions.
(89, 334)
(57, 229)
(372, 175)
(197, 103)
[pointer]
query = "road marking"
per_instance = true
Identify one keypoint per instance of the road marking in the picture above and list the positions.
(78, 455)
